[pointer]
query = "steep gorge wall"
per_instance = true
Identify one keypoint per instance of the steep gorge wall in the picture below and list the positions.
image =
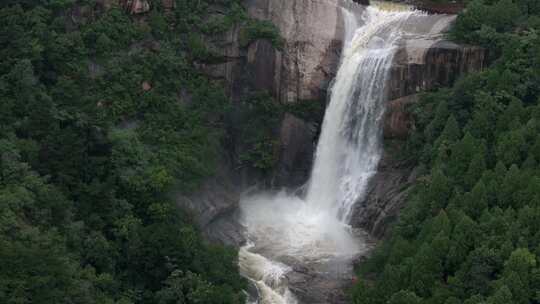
(301, 72)
(419, 66)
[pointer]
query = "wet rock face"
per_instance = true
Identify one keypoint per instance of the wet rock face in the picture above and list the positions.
(296, 155)
(386, 194)
(435, 7)
(327, 282)
(422, 65)
(398, 121)
(215, 207)
(302, 70)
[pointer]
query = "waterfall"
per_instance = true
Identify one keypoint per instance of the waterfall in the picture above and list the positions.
(286, 230)
(349, 148)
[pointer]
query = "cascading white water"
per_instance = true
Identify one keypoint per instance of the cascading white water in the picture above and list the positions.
(288, 230)
(349, 148)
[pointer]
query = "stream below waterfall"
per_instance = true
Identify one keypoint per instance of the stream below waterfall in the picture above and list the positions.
(309, 235)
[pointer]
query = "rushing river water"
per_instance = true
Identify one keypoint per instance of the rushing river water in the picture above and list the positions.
(286, 230)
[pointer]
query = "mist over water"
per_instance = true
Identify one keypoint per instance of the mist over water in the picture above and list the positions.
(285, 230)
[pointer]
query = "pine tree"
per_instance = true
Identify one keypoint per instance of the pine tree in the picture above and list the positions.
(476, 201)
(450, 133)
(436, 125)
(427, 270)
(462, 154)
(503, 295)
(439, 190)
(476, 168)
(513, 182)
(517, 275)
(510, 146)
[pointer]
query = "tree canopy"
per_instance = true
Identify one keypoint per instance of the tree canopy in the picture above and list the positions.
(470, 232)
(102, 114)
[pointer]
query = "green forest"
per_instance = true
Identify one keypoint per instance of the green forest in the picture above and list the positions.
(105, 116)
(101, 116)
(471, 230)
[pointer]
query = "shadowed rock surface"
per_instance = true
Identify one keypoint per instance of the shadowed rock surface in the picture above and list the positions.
(215, 207)
(386, 194)
(296, 155)
(422, 65)
(397, 121)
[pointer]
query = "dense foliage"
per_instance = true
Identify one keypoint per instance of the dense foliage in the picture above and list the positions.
(471, 230)
(102, 114)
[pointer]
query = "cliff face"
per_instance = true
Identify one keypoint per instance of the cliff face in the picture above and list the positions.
(313, 31)
(420, 65)
(301, 71)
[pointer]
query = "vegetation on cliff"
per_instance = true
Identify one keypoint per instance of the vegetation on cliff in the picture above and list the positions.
(471, 230)
(102, 114)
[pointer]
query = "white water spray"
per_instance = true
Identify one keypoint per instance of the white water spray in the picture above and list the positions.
(349, 148)
(286, 230)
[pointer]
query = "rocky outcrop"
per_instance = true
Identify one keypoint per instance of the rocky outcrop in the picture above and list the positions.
(419, 66)
(215, 207)
(386, 193)
(135, 7)
(435, 7)
(313, 32)
(328, 282)
(422, 65)
(301, 71)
